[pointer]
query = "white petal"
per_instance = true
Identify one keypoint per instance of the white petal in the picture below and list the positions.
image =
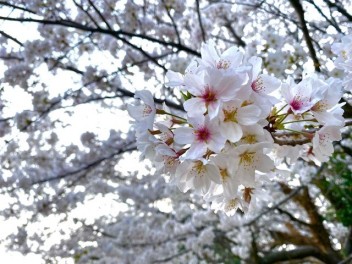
(216, 143)
(248, 115)
(184, 135)
(264, 163)
(175, 79)
(146, 96)
(196, 151)
(213, 173)
(194, 107)
(209, 53)
(213, 109)
(270, 83)
(257, 66)
(194, 84)
(231, 131)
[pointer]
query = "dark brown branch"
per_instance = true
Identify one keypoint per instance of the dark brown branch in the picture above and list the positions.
(321, 238)
(300, 13)
(10, 37)
(5, 3)
(118, 33)
(147, 55)
(298, 253)
(339, 8)
(84, 168)
(100, 15)
(288, 142)
(331, 22)
(200, 21)
(167, 259)
(87, 13)
(173, 22)
(269, 209)
(238, 39)
(292, 218)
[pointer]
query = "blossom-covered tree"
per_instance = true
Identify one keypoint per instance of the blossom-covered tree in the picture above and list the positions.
(217, 131)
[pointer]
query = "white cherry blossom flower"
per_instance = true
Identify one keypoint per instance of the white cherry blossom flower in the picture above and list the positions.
(146, 144)
(303, 96)
(167, 159)
(234, 115)
(204, 134)
(327, 111)
(248, 159)
(322, 142)
(343, 50)
(227, 168)
(229, 61)
(211, 91)
(262, 85)
(196, 174)
(254, 134)
(143, 114)
(227, 204)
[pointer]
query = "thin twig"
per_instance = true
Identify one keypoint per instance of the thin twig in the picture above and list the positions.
(269, 209)
(200, 21)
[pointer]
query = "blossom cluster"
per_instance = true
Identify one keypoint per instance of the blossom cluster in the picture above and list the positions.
(343, 50)
(237, 126)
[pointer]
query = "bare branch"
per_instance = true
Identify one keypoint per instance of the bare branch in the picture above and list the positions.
(100, 14)
(200, 21)
(238, 39)
(87, 13)
(269, 209)
(173, 22)
(5, 3)
(298, 253)
(86, 167)
(300, 13)
(10, 37)
(339, 8)
(118, 33)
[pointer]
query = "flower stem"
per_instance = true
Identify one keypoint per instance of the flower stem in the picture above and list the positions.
(163, 112)
(297, 121)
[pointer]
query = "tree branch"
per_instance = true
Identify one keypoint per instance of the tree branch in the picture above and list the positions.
(118, 33)
(238, 39)
(84, 168)
(5, 3)
(298, 253)
(10, 37)
(339, 8)
(200, 21)
(300, 13)
(269, 209)
(173, 22)
(100, 15)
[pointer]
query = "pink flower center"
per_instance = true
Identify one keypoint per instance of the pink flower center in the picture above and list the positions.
(147, 110)
(208, 96)
(257, 85)
(202, 134)
(223, 64)
(296, 104)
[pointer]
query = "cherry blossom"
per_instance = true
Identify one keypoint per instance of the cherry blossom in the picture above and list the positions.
(203, 135)
(196, 175)
(303, 96)
(143, 114)
(322, 141)
(211, 92)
